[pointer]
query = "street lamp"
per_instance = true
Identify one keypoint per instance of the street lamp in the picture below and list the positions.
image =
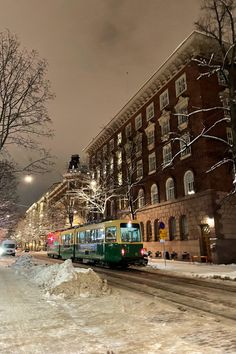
(28, 179)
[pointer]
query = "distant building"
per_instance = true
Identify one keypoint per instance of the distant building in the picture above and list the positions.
(180, 194)
(58, 208)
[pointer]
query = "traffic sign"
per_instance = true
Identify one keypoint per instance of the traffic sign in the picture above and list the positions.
(161, 225)
(163, 234)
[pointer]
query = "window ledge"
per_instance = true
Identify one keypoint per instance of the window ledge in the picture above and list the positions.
(151, 146)
(167, 164)
(185, 156)
(180, 93)
(151, 172)
(183, 126)
(165, 137)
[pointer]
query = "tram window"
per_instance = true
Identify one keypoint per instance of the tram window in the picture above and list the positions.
(66, 239)
(110, 235)
(101, 235)
(130, 232)
(87, 236)
(82, 237)
(93, 235)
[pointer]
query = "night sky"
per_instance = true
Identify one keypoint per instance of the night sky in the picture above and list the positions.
(99, 53)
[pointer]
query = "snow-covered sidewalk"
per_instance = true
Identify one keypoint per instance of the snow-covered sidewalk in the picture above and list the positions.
(55, 310)
(203, 270)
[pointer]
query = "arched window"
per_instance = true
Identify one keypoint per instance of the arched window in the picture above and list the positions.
(154, 194)
(142, 230)
(141, 200)
(156, 230)
(183, 225)
(188, 183)
(149, 230)
(172, 228)
(170, 189)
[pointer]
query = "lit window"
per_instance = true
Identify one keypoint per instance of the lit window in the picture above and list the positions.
(150, 137)
(182, 115)
(180, 85)
(152, 162)
(119, 177)
(167, 155)
(119, 138)
(119, 158)
(229, 136)
(104, 169)
(164, 99)
(111, 144)
(98, 173)
(181, 109)
(224, 97)
(138, 143)
(141, 199)
(184, 148)
(111, 164)
(104, 150)
(154, 194)
(170, 189)
(150, 111)
(139, 169)
(128, 130)
(164, 122)
(138, 121)
(189, 183)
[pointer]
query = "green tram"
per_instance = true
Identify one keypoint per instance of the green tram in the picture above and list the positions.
(111, 243)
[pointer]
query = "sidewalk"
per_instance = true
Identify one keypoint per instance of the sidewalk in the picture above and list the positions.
(203, 270)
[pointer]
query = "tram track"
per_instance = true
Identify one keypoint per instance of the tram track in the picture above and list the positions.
(207, 296)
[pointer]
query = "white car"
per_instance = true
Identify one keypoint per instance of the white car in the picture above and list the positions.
(8, 247)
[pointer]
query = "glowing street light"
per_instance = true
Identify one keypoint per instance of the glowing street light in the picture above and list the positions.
(28, 179)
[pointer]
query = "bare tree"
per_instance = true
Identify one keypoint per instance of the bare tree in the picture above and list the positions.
(133, 172)
(24, 92)
(95, 195)
(8, 196)
(218, 21)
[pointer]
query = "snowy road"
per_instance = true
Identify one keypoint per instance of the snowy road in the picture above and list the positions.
(120, 322)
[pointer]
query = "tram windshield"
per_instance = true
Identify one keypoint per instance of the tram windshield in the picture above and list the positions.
(130, 232)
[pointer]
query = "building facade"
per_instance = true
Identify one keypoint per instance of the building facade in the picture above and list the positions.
(166, 143)
(58, 208)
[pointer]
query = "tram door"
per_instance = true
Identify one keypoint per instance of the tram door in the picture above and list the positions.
(205, 241)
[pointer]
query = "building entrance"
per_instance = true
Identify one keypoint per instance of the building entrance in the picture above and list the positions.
(205, 242)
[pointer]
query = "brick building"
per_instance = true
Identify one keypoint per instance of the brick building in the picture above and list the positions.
(171, 183)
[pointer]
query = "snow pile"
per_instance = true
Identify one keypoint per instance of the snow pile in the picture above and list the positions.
(24, 261)
(65, 280)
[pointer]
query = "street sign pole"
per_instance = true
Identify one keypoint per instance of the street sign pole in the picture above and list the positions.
(163, 236)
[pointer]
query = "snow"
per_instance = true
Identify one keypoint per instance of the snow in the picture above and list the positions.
(194, 269)
(40, 315)
(63, 279)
